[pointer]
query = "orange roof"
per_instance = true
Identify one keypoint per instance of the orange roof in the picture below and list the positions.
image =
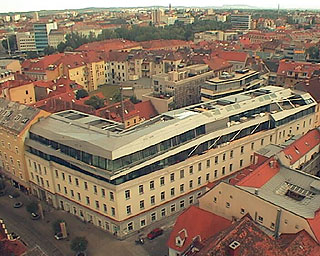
(162, 44)
(216, 63)
(195, 222)
(231, 55)
(107, 45)
(293, 66)
(315, 225)
(302, 146)
(41, 64)
(261, 175)
(146, 109)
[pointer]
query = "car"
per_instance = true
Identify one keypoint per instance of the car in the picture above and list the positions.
(14, 235)
(155, 233)
(17, 205)
(58, 236)
(35, 216)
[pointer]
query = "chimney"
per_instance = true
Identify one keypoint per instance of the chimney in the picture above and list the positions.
(256, 191)
(234, 248)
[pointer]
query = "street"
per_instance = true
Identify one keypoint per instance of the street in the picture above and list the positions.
(40, 233)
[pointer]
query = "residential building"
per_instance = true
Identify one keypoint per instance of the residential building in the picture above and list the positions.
(18, 91)
(237, 59)
(241, 21)
(6, 75)
(183, 84)
(213, 35)
(15, 120)
(10, 64)
(231, 83)
(282, 200)
(124, 180)
(26, 42)
(157, 16)
(55, 37)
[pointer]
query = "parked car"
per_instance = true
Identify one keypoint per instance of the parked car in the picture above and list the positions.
(154, 233)
(35, 216)
(58, 236)
(17, 205)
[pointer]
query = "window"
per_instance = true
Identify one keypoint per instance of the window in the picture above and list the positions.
(111, 195)
(199, 167)
(162, 181)
(141, 204)
(216, 160)
(59, 187)
(260, 219)
(104, 207)
(140, 189)
(172, 192)
(191, 200)
(270, 138)
(262, 140)
(153, 216)
(152, 185)
(227, 204)
(190, 183)
(71, 192)
(207, 176)
(181, 174)
(152, 200)
(182, 204)
(272, 225)
(231, 154)
(57, 174)
(162, 196)
(242, 150)
(208, 163)
(242, 211)
(113, 211)
(65, 190)
(19, 164)
(252, 145)
(214, 199)
(95, 189)
(63, 176)
(17, 150)
(128, 209)
(241, 162)
(181, 188)
(191, 169)
(163, 212)
(199, 180)
(70, 179)
(97, 204)
(173, 208)
(130, 226)
(223, 170)
(127, 194)
(224, 157)
(79, 196)
(85, 185)
(215, 173)
(88, 200)
(230, 167)
(142, 223)
(172, 177)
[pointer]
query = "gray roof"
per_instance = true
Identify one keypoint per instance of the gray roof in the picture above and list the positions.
(5, 62)
(15, 116)
(105, 137)
(270, 150)
(299, 182)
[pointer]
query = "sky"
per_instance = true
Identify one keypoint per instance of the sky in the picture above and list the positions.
(36, 5)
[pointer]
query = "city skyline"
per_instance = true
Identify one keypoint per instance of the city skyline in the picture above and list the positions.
(36, 5)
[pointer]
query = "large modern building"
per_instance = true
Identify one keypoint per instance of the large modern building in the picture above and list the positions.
(41, 33)
(124, 180)
(241, 21)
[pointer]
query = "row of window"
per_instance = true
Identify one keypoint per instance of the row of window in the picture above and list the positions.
(9, 146)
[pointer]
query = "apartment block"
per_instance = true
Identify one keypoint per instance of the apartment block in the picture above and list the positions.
(241, 21)
(26, 42)
(183, 84)
(6, 75)
(11, 65)
(124, 180)
(18, 91)
(15, 120)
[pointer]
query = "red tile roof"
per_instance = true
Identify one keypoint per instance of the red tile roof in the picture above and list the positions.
(216, 64)
(261, 175)
(146, 110)
(163, 44)
(231, 55)
(196, 222)
(311, 86)
(315, 225)
(302, 146)
(293, 66)
(41, 64)
(108, 45)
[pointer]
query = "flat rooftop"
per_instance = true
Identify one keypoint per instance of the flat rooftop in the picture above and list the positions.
(231, 77)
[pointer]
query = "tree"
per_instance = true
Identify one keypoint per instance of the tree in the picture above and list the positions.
(32, 55)
(81, 94)
(134, 100)
(79, 244)
(32, 207)
(49, 50)
(61, 46)
(56, 226)
(95, 102)
(313, 52)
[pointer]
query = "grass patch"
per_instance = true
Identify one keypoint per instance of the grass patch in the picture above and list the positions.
(107, 90)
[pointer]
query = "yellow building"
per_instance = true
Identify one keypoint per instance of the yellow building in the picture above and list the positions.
(15, 120)
(12, 65)
(18, 91)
